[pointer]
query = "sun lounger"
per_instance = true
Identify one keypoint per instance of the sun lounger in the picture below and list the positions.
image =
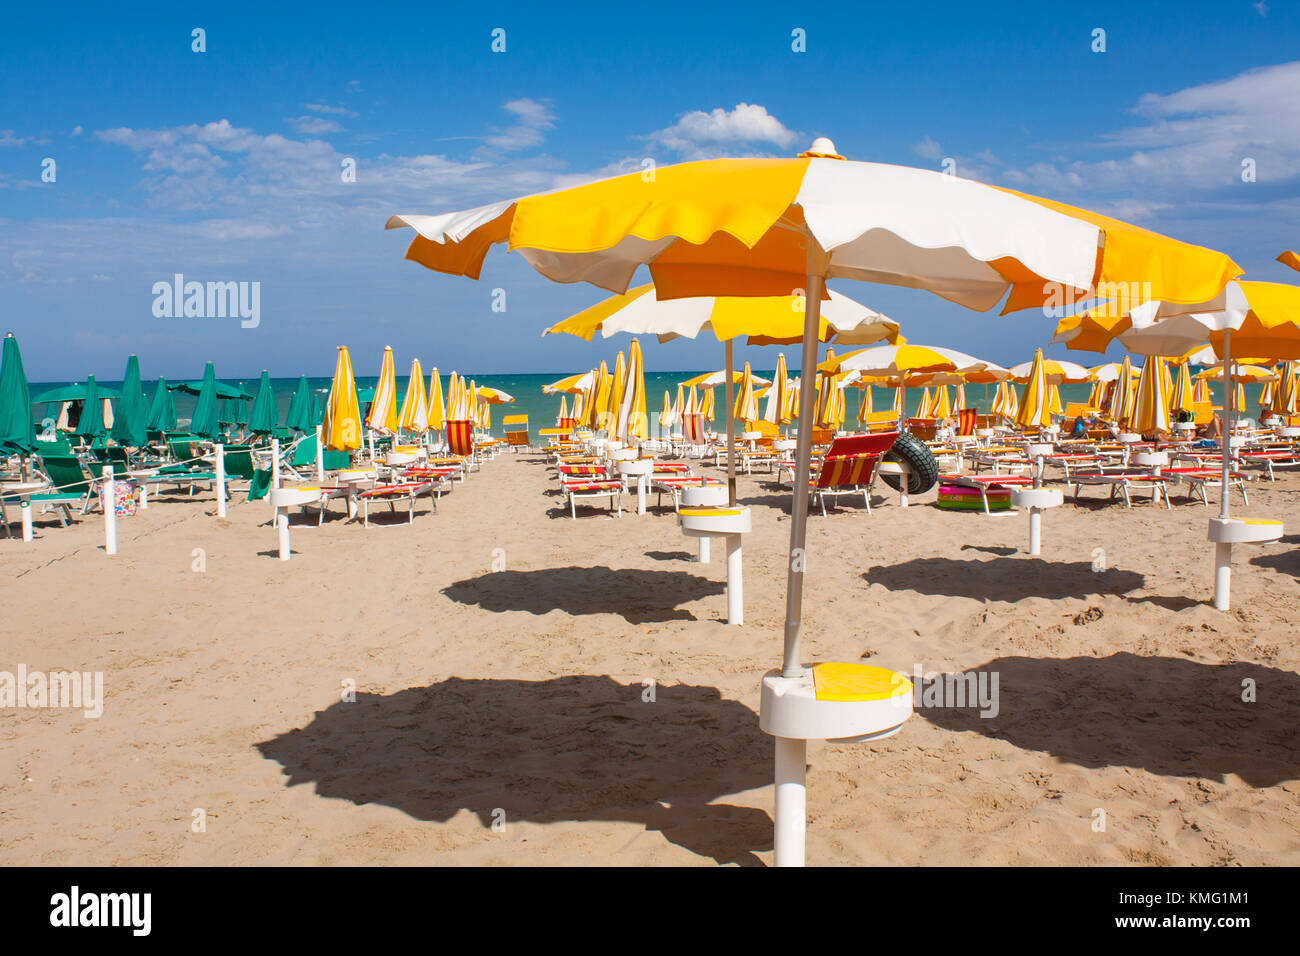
(391, 494)
(595, 488)
(849, 468)
(1268, 460)
(1123, 483)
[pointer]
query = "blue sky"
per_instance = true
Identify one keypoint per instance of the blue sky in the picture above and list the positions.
(225, 165)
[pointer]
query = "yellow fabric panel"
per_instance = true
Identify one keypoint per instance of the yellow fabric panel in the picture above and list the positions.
(693, 201)
(587, 323)
(857, 682)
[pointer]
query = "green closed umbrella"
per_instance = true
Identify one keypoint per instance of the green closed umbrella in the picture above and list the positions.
(162, 414)
(17, 433)
(263, 419)
(317, 412)
(204, 420)
(241, 412)
(130, 420)
(300, 408)
(91, 424)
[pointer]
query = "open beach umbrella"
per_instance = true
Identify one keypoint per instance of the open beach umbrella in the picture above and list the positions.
(1055, 371)
(414, 415)
(714, 379)
(765, 320)
(299, 417)
(341, 421)
(383, 409)
(891, 361)
(633, 424)
(1151, 408)
(17, 430)
(580, 382)
(162, 413)
(1034, 410)
(264, 416)
(436, 414)
(203, 421)
(131, 421)
(494, 396)
(766, 226)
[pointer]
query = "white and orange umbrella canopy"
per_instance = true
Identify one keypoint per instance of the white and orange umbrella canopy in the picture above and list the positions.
(1055, 371)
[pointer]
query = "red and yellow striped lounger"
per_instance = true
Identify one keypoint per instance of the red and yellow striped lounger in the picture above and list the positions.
(409, 490)
(607, 488)
(1123, 482)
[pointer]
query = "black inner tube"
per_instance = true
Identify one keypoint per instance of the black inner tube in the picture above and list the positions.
(923, 469)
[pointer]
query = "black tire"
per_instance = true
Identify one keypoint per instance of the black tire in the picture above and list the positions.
(924, 469)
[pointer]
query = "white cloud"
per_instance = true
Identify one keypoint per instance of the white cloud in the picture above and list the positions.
(328, 110)
(313, 125)
(928, 148)
(1261, 8)
(9, 138)
(532, 119)
(699, 135)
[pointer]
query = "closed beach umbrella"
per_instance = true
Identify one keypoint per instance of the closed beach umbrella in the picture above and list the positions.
(941, 408)
(959, 399)
(341, 424)
(299, 417)
(1033, 411)
(707, 408)
(923, 410)
(1183, 398)
(91, 424)
(665, 413)
(437, 412)
(1054, 404)
(864, 404)
(263, 418)
(1151, 409)
(633, 423)
(383, 408)
(616, 386)
(564, 409)
(17, 431)
(1121, 397)
(204, 420)
(131, 421)
(777, 408)
(746, 409)
(162, 413)
(414, 416)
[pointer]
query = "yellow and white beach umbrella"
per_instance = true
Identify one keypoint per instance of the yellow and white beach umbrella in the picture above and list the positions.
(767, 226)
(437, 411)
(777, 408)
(341, 426)
(864, 403)
(666, 414)
(485, 416)
(692, 402)
(765, 320)
(1121, 397)
(708, 407)
(1055, 371)
(564, 409)
(941, 408)
(616, 386)
(959, 398)
(633, 422)
(1054, 404)
(1151, 407)
(900, 401)
(1242, 373)
(679, 407)
(383, 408)
(714, 379)
(1285, 399)
(1034, 410)
(1183, 397)
(414, 416)
(927, 400)
(573, 384)
(1201, 392)
(746, 409)
(900, 360)
(600, 397)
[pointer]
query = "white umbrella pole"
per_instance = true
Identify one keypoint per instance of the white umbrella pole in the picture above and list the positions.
(731, 429)
(110, 512)
(221, 480)
(1223, 549)
(320, 457)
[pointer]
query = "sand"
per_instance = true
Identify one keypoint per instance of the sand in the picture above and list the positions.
(531, 689)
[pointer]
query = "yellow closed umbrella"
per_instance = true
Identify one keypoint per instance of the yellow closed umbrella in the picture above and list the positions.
(1034, 410)
(1054, 405)
(940, 407)
(923, 410)
(564, 409)
(383, 408)
(633, 423)
(1151, 409)
(708, 405)
(341, 425)
(666, 414)
(959, 400)
(1121, 395)
(616, 384)
(1183, 397)
(900, 401)
(777, 408)
(600, 398)
(414, 416)
(864, 404)
(437, 412)
(746, 409)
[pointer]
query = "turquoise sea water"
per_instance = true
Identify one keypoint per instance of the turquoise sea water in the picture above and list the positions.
(542, 410)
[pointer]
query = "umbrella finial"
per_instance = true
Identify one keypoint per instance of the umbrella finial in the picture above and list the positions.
(821, 148)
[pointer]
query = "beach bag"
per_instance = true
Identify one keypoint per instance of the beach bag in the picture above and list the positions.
(125, 502)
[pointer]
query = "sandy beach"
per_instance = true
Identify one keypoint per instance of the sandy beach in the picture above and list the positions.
(531, 689)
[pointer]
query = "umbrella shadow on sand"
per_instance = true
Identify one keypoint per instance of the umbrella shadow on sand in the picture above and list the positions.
(1168, 716)
(641, 597)
(578, 748)
(1003, 578)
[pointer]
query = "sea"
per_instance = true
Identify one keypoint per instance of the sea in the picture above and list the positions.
(543, 410)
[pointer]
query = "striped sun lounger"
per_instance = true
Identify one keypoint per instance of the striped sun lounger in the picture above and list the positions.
(1123, 483)
(606, 488)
